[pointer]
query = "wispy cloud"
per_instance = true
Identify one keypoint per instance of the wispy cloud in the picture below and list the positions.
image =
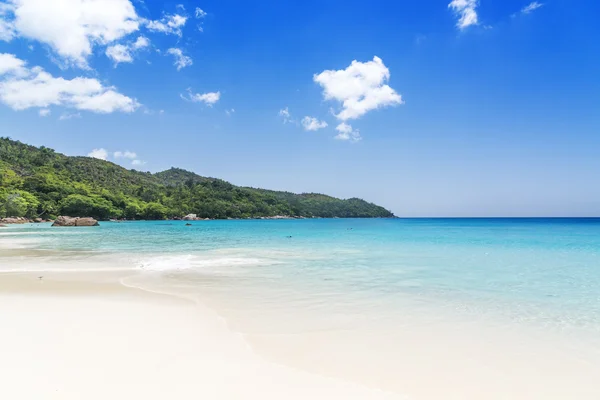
(181, 60)
(285, 114)
(466, 10)
(210, 98)
(531, 7)
(169, 24)
(125, 154)
(200, 13)
(67, 116)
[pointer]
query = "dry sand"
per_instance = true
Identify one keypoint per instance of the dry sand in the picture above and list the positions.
(75, 340)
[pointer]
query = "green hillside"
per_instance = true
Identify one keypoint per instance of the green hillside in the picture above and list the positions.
(38, 182)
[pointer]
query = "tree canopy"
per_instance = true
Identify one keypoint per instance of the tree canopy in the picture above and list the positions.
(38, 182)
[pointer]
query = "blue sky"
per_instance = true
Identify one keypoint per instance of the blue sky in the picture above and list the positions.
(475, 108)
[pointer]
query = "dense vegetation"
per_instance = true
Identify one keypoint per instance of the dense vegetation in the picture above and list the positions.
(38, 182)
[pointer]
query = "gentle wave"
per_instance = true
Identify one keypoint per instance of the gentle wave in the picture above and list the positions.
(191, 262)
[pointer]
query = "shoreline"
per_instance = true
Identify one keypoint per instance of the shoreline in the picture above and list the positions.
(249, 310)
(97, 339)
(23, 221)
(99, 329)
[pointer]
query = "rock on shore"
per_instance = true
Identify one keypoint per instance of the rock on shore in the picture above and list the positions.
(14, 220)
(75, 221)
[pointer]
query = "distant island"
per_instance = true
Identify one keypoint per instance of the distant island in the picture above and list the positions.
(37, 182)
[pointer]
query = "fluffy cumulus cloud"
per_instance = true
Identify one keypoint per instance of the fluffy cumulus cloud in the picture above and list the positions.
(360, 88)
(70, 27)
(10, 64)
(181, 60)
(313, 124)
(210, 98)
(119, 54)
(127, 155)
(170, 24)
(347, 133)
(531, 7)
(22, 88)
(123, 53)
(44, 112)
(466, 10)
(100, 154)
(140, 43)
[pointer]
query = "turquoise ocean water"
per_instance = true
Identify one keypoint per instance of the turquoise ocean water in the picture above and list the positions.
(289, 278)
(550, 265)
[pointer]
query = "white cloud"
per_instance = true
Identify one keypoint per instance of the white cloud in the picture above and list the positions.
(9, 63)
(360, 88)
(286, 115)
(141, 43)
(67, 116)
(44, 112)
(125, 154)
(209, 98)
(7, 31)
(181, 60)
(120, 53)
(200, 13)
(313, 124)
(71, 27)
(22, 88)
(230, 112)
(347, 133)
(169, 24)
(466, 10)
(531, 7)
(100, 154)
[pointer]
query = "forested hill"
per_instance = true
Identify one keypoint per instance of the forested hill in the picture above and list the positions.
(38, 182)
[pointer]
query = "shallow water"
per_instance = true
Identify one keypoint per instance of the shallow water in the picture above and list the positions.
(387, 303)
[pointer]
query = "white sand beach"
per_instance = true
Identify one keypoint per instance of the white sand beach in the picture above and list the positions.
(85, 336)
(73, 340)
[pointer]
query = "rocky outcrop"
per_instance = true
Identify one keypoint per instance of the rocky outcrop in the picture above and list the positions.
(14, 220)
(190, 217)
(75, 221)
